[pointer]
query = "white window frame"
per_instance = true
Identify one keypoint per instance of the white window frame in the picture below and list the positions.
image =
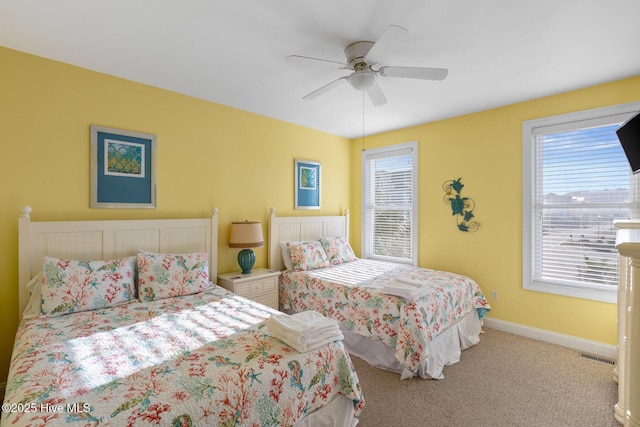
(595, 117)
(367, 240)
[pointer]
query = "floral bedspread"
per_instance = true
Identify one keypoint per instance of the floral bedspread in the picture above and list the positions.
(204, 359)
(350, 293)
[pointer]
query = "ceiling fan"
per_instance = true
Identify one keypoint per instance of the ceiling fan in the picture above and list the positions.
(362, 56)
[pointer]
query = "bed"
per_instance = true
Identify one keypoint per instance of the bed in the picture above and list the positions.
(406, 319)
(179, 351)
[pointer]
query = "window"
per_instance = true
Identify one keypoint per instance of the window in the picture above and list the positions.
(576, 182)
(390, 203)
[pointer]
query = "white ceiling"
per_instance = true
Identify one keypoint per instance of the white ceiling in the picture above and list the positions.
(498, 52)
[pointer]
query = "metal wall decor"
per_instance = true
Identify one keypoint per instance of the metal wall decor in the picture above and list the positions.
(461, 207)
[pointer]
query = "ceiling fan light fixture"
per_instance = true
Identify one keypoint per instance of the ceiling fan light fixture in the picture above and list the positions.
(362, 80)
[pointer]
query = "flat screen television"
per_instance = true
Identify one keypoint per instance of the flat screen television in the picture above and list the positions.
(629, 136)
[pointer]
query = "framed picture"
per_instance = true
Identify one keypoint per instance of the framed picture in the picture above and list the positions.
(123, 169)
(307, 184)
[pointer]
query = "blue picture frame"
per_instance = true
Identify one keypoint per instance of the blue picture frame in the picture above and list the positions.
(307, 184)
(123, 168)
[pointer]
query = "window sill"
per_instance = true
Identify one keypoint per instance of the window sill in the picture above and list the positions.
(393, 260)
(605, 295)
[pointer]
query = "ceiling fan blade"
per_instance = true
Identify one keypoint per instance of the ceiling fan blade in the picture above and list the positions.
(325, 88)
(391, 38)
(376, 96)
(414, 72)
(309, 58)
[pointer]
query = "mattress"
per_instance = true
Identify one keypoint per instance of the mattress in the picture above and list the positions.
(356, 294)
(203, 359)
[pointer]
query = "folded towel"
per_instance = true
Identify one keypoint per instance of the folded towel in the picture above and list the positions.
(305, 324)
(311, 316)
(278, 332)
(410, 292)
(411, 281)
(312, 345)
(304, 331)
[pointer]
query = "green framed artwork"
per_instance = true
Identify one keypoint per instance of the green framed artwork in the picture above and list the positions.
(307, 184)
(123, 172)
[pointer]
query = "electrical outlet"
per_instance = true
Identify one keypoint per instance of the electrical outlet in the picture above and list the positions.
(495, 296)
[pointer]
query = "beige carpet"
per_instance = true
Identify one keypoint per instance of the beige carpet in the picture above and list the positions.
(505, 380)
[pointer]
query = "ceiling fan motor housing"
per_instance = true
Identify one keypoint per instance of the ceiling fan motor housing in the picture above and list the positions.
(362, 78)
(356, 53)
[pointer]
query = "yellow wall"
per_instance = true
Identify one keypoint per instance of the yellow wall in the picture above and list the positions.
(485, 150)
(215, 156)
(208, 156)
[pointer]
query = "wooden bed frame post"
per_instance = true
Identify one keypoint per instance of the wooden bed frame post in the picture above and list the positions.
(24, 252)
(213, 256)
(346, 224)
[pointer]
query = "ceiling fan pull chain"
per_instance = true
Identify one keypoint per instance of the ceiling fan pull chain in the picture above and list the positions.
(363, 121)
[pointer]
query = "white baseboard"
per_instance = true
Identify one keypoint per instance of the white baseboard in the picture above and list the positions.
(592, 347)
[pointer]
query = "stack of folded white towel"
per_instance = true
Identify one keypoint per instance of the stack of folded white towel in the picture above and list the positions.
(406, 287)
(305, 331)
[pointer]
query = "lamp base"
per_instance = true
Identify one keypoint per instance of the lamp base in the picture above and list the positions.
(246, 259)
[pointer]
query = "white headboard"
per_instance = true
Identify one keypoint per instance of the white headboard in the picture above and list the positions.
(101, 240)
(302, 228)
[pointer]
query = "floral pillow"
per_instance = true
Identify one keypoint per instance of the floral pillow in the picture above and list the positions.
(171, 275)
(307, 255)
(338, 250)
(70, 286)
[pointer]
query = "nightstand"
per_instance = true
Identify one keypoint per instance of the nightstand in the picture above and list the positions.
(260, 285)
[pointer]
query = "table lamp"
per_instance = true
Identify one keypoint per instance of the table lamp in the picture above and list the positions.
(245, 235)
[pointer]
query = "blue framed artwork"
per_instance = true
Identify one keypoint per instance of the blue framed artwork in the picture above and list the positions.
(307, 184)
(123, 169)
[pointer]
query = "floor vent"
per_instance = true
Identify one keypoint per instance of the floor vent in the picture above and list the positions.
(598, 358)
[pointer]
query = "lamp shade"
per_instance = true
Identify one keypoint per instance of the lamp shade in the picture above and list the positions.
(247, 234)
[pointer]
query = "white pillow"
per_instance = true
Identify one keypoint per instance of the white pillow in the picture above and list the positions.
(32, 310)
(286, 255)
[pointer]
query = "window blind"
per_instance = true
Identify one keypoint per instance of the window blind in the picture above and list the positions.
(389, 204)
(581, 185)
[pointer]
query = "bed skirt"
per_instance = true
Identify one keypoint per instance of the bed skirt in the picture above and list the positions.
(443, 350)
(338, 413)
